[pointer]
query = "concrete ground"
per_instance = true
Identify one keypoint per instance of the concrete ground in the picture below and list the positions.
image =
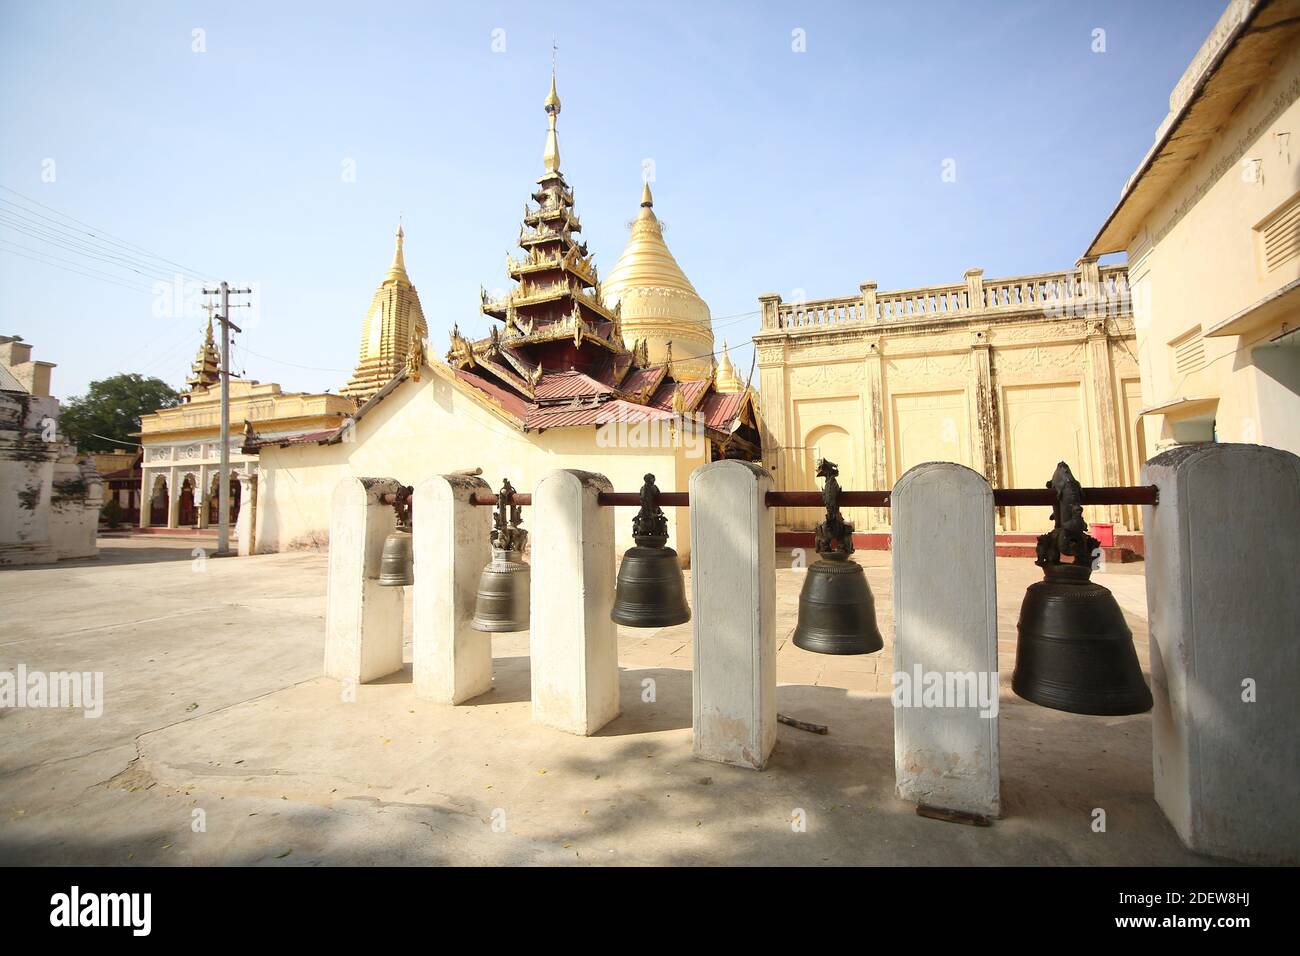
(220, 743)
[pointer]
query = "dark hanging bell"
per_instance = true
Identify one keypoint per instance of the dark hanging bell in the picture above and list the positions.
(650, 590)
(1074, 651)
(396, 562)
(503, 589)
(837, 613)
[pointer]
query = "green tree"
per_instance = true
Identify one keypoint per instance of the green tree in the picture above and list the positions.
(111, 409)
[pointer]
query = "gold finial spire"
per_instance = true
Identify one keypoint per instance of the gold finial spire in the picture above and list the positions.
(397, 271)
(646, 199)
(551, 157)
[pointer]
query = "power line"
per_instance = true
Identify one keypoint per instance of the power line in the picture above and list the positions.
(117, 441)
(71, 262)
(310, 368)
(113, 281)
(55, 237)
(101, 234)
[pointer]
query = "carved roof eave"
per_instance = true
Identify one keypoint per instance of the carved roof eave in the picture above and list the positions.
(578, 269)
(648, 390)
(518, 383)
(556, 331)
(622, 371)
(497, 308)
(523, 368)
(698, 399)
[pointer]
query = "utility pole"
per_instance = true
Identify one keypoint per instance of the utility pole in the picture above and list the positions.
(223, 477)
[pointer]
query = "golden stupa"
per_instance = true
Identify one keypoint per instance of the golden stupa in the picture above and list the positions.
(394, 319)
(727, 380)
(659, 304)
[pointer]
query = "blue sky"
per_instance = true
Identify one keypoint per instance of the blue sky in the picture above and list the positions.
(792, 172)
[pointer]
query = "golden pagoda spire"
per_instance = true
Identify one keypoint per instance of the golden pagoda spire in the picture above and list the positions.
(393, 320)
(204, 371)
(656, 300)
(725, 378)
(551, 157)
(397, 271)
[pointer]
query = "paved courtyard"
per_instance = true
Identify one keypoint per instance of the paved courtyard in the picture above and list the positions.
(220, 743)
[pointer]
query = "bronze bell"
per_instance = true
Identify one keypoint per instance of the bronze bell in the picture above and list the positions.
(650, 590)
(396, 563)
(503, 589)
(396, 566)
(837, 614)
(1074, 651)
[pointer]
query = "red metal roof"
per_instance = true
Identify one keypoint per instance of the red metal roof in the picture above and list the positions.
(642, 377)
(566, 416)
(663, 397)
(720, 409)
(560, 385)
(513, 404)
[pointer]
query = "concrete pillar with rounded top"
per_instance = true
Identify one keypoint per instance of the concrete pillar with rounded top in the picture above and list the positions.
(1222, 549)
(246, 522)
(174, 483)
(733, 608)
(451, 661)
(573, 642)
(946, 630)
(363, 621)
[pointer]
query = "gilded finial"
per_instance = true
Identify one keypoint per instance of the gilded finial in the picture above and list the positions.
(398, 269)
(647, 200)
(551, 156)
(552, 104)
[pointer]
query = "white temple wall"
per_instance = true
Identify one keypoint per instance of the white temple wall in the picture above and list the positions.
(430, 428)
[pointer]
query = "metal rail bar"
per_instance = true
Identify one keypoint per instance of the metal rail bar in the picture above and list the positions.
(1002, 498)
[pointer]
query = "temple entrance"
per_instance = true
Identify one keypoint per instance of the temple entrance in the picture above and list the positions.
(158, 503)
(187, 514)
(214, 500)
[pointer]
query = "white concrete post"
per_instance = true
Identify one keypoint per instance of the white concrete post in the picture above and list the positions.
(201, 495)
(173, 498)
(733, 607)
(945, 629)
(573, 643)
(246, 523)
(1222, 549)
(452, 662)
(363, 621)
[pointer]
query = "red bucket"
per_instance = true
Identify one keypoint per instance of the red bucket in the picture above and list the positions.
(1104, 533)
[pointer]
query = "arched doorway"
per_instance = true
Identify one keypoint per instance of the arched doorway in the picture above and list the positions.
(158, 503)
(214, 500)
(835, 444)
(186, 513)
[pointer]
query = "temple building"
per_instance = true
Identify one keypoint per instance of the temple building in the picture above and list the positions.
(562, 380)
(394, 320)
(1007, 376)
(1210, 221)
(181, 446)
(658, 304)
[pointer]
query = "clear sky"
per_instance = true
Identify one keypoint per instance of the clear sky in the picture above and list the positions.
(776, 170)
